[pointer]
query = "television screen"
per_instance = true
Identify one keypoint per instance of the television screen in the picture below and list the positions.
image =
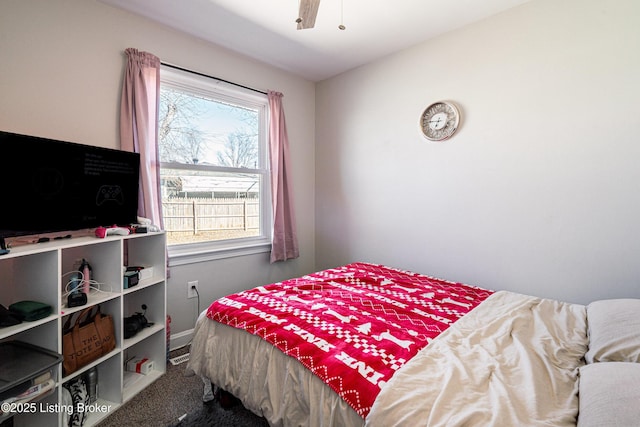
(51, 186)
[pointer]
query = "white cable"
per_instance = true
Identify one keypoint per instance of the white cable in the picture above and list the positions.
(94, 286)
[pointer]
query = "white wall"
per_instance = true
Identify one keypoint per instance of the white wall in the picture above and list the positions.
(539, 190)
(61, 65)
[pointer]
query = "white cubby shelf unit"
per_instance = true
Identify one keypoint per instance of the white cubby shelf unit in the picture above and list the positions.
(40, 272)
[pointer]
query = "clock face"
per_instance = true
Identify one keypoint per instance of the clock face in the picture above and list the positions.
(440, 120)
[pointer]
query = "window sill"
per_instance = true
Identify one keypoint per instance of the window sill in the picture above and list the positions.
(190, 254)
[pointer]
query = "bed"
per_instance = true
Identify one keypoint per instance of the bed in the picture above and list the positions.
(370, 345)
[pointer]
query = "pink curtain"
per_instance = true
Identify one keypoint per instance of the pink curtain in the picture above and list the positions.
(285, 239)
(138, 127)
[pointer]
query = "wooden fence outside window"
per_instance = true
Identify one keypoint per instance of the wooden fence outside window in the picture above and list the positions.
(203, 215)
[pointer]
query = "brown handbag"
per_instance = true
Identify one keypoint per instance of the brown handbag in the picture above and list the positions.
(85, 338)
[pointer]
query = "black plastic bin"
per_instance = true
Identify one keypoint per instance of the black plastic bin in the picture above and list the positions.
(21, 363)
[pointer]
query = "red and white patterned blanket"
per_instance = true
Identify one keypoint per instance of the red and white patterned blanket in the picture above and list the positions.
(352, 326)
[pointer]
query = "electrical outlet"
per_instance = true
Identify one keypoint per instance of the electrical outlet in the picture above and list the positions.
(192, 289)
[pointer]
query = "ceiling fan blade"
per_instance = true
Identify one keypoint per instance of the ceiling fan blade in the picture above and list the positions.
(307, 14)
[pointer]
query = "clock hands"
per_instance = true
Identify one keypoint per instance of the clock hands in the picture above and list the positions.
(438, 121)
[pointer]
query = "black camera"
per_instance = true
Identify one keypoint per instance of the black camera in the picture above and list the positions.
(136, 323)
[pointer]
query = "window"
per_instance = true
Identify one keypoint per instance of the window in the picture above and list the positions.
(214, 168)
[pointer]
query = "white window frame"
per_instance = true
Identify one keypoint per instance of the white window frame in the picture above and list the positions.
(187, 253)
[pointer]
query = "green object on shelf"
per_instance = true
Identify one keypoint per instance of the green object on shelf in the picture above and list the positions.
(30, 310)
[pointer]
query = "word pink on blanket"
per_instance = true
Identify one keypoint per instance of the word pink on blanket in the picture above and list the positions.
(352, 326)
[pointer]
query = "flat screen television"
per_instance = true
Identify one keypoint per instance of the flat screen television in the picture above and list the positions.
(55, 186)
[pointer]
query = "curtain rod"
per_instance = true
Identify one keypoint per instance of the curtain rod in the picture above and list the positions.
(212, 77)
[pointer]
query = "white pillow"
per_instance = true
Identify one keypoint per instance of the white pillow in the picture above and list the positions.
(614, 331)
(609, 395)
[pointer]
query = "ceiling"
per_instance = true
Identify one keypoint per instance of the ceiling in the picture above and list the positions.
(266, 29)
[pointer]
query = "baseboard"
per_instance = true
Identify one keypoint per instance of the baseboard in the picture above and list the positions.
(180, 339)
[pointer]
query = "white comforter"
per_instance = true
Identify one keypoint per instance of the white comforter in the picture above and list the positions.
(512, 361)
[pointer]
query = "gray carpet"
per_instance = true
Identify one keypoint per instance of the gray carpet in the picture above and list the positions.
(212, 414)
(176, 400)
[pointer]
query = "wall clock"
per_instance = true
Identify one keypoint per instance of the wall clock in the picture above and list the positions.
(440, 120)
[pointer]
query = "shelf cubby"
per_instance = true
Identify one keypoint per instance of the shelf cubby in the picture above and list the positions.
(40, 272)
